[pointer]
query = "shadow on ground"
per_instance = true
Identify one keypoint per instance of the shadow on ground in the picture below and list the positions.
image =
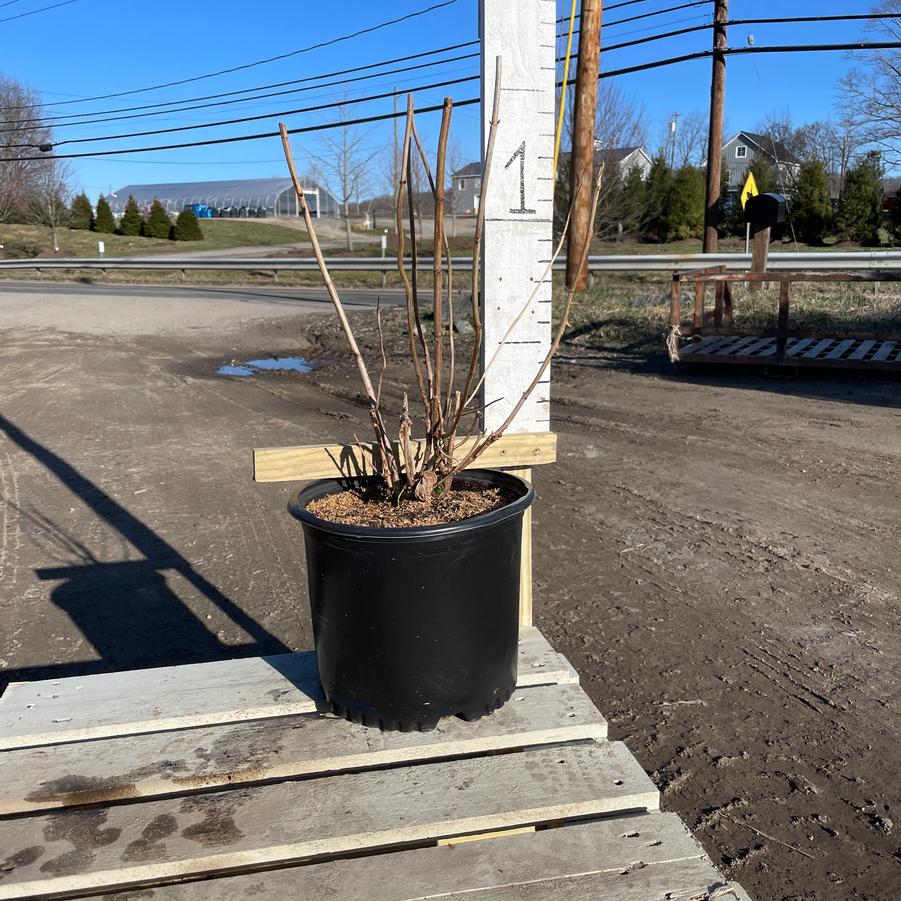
(126, 609)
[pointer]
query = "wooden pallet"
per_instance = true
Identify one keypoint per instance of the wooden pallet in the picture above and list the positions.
(223, 781)
(845, 353)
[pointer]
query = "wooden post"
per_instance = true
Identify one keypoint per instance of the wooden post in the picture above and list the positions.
(715, 131)
(518, 240)
(697, 321)
(582, 161)
(675, 304)
(760, 248)
(782, 324)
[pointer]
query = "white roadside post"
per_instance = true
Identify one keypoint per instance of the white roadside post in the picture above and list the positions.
(518, 237)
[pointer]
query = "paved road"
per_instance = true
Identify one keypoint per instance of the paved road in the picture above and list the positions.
(148, 309)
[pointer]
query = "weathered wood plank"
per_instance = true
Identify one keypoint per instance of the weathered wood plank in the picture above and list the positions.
(704, 345)
(794, 348)
(818, 348)
(330, 461)
(177, 763)
(737, 346)
(840, 349)
(198, 694)
(758, 345)
(861, 351)
(606, 849)
(150, 841)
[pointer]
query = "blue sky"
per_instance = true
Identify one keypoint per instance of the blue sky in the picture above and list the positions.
(91, 47)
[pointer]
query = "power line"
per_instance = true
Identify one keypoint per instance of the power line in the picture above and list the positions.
(239, 138)
(735, 51)
(259, 117)
(782, 20)
(332, 41)
(34, 12)
(249, 99)
(277, 84)
(658, 12)
(9, 3)
(792, 48)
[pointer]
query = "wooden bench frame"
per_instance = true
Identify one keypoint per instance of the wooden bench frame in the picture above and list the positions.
(723, 312)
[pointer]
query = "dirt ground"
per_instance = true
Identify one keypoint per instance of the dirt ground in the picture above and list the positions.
(716, 552)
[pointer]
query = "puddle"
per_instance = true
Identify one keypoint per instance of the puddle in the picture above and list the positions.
(268, 364)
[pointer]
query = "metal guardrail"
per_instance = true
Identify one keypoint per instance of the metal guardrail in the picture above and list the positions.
(664, 262)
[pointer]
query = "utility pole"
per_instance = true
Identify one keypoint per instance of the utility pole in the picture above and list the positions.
(673, 126)
(715, 131)
(582, 167)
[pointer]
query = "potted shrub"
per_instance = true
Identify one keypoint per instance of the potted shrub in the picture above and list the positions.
(414, 569)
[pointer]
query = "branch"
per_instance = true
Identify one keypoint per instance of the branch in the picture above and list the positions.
(477, 238)
(390, 469)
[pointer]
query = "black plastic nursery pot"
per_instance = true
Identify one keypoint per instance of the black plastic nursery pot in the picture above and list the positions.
(412, 624)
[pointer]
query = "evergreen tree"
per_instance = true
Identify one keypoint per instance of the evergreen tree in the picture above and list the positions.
(132, 222)
(82, 215)
(860, 206)
(187, 228)
(158, 224)
(764, 174)
(811, 205)
(104, 221)
(634, 199)
(658, 186)
(685, 211)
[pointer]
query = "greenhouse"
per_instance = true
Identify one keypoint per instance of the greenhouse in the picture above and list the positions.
(254, 198)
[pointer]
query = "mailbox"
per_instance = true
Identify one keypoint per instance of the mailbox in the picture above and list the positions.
(765, 210)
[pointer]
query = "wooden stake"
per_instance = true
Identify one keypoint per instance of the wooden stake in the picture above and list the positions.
(715, 131)
(582, 167)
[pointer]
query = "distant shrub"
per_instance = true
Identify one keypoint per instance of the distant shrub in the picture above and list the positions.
(82, 216)
(187, 228)
(132, 222)
(104, 221)
(158, 224)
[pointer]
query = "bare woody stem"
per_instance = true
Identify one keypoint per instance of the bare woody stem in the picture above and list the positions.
(437, 247)
(414, 329)
(477, 240)
(450, 285)
(389, 466)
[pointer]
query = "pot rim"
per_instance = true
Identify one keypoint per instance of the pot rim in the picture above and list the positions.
(299, 499)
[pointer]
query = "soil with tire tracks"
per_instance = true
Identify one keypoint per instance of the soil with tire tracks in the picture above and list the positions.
(717, 553)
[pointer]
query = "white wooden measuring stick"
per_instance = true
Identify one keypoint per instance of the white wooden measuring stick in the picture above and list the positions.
(517, 243)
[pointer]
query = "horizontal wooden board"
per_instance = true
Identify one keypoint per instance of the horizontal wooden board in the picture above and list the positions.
(144, 842)
(172, 763)
(198, 694)
(606, 851)
(325, 461)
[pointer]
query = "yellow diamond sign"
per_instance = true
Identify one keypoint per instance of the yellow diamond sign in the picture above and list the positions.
(749, 190)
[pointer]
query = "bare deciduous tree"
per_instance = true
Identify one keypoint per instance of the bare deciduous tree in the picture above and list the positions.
(344, 165)
(47, 202)
(689, 146)
(20, 113)
(871, 92)
(619, 124)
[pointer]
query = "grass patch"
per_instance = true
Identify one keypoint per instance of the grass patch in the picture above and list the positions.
(631, 310)
(219, 234)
